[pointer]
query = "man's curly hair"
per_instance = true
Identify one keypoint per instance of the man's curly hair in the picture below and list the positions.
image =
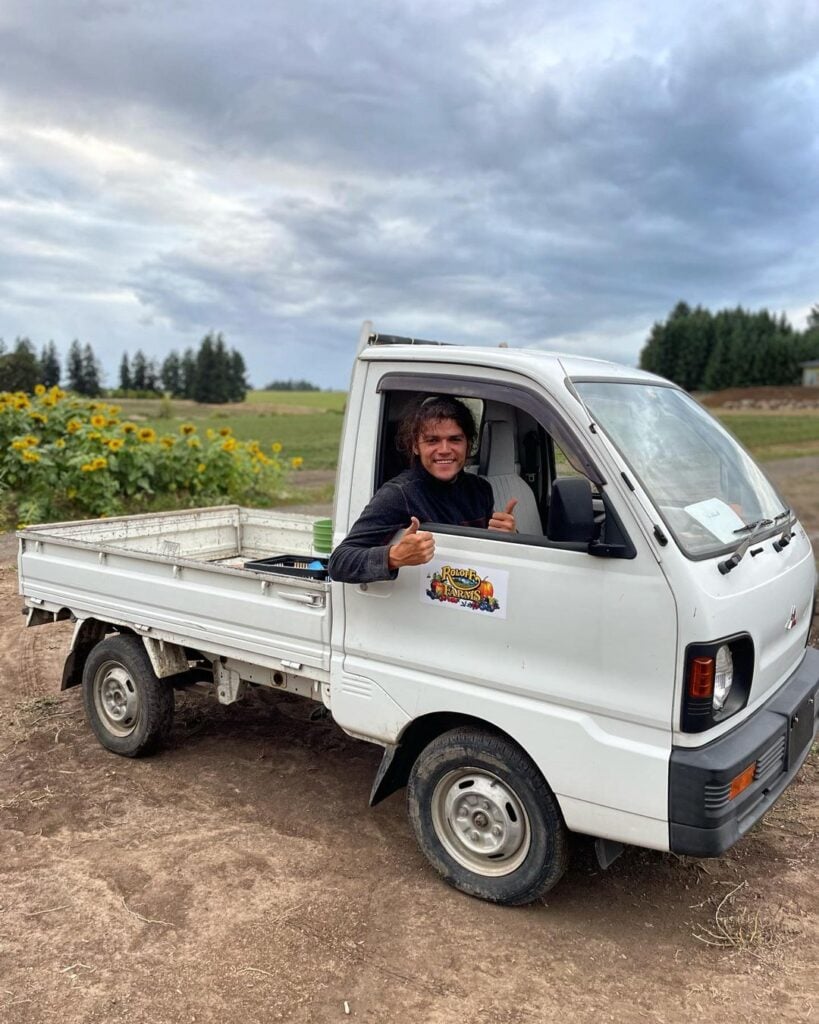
(430, 410)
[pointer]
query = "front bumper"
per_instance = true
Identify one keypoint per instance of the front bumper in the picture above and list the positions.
(703, 820)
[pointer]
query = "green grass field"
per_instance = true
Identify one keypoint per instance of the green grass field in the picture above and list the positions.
(328, 401)
(769, 436)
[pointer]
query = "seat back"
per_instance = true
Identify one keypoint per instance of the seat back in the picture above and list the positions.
(501, 472)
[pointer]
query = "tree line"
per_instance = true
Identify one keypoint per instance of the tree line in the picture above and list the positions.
(733, 348)
(213, 373)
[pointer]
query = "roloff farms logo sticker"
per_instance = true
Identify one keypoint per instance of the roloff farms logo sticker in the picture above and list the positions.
(467, 588)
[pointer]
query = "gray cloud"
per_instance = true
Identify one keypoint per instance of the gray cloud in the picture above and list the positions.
(485, 171)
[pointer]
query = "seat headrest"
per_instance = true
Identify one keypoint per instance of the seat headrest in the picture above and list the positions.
(501, 448)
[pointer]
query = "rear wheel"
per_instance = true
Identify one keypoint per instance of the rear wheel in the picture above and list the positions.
(485, 817)
(129, 709)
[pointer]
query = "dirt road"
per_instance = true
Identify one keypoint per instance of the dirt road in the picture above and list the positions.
(239, 877)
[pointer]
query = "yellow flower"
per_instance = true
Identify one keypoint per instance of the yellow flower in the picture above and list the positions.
(29, 456)
(224, 431)
(147, 434)
(19, 445)
(296, 462)
(201, 467)
(210, 434)
(71, 492)
(167, 442)
(49, 401)
(39, 389)
(94, 435)
(276, 447)
(98, 421)
(59, 443)
(115, 444)
(229, 444)
(38, 417)
(73, 426)
(57, 393)
(100, 462)
(187, 428)
(31, 440)
(112, 421)
(21, 403)
(114, 410)
(129, 428)
(86, 467)
(194, 442)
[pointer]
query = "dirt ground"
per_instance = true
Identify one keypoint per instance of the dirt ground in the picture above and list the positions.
(240, 877)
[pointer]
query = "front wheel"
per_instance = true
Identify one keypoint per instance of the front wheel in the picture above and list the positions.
(129, 709)
(485, 818)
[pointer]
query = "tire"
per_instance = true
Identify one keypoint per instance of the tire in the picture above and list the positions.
(485, 818)
(128, 708)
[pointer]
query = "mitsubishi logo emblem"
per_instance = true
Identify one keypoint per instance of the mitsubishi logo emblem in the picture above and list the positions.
(792, 618)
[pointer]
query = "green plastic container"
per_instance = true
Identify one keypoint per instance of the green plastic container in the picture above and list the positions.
(323, 536)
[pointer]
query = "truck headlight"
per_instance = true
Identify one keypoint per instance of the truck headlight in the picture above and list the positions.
(723, 676)
(718, 677)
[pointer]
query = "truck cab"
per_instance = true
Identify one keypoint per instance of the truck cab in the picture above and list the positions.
(642, 638)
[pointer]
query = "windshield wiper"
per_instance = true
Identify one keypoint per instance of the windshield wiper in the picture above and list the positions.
(784, 538)
(757, 525)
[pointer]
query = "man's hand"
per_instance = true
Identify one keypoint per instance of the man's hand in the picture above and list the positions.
(505, 520)
(415, 548)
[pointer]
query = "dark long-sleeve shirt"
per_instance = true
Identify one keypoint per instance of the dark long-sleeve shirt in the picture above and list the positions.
(363, 555)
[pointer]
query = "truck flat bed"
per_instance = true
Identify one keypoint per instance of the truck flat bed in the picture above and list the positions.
(180, 577)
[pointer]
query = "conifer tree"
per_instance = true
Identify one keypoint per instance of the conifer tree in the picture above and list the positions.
(74, 367)
(50, 365)
(90, 373)
(125, 373)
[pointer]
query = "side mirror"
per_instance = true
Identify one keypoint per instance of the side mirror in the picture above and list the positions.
(571, 512)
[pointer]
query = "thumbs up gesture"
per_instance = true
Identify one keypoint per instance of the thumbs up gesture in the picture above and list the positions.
(505, 520)
(415, 548)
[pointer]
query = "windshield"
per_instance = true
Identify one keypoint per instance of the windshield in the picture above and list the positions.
(706, 488)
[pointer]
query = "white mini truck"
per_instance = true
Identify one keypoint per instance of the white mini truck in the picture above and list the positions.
(631, 665)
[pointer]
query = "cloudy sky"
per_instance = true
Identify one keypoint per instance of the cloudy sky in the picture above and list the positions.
(537, 172)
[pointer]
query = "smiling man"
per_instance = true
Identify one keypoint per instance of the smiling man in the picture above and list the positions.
(437, 435)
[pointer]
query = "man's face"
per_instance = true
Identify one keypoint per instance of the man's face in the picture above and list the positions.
(441, 447)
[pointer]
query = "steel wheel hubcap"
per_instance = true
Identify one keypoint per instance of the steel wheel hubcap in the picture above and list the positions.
(115, 699)
(481, 822)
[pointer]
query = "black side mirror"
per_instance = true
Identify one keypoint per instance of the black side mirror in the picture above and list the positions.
(571, 512)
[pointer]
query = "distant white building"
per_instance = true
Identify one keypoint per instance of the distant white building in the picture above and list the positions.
(810, 373)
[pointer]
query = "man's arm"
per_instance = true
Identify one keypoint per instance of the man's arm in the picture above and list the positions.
(366, 554)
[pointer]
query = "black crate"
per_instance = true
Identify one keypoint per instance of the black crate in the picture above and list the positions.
(290, 565)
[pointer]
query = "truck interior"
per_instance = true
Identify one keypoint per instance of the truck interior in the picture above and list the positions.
(518, 457)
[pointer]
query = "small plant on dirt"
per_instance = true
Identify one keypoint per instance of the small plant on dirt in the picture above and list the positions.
(62, 457)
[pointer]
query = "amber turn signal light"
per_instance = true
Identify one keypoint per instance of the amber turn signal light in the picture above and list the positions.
(742, 781)
(701, 678)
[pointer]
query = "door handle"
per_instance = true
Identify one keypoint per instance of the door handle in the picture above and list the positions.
(314, 600)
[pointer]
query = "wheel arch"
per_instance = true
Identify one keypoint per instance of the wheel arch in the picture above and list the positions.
(396, 764)
(87, 634)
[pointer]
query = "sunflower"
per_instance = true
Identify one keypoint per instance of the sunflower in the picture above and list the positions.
(147, 434)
